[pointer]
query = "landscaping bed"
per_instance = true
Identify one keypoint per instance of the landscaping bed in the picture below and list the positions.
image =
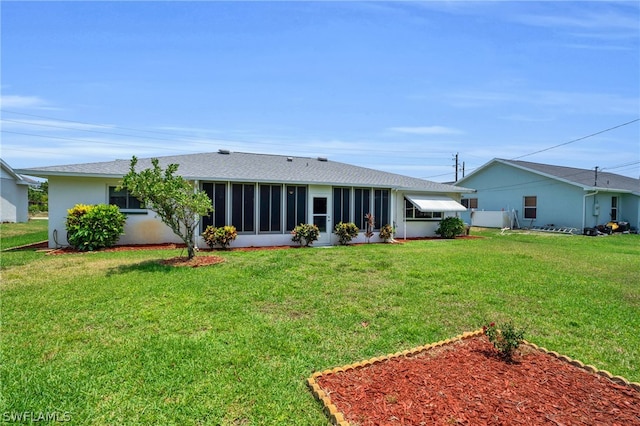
(465, 382)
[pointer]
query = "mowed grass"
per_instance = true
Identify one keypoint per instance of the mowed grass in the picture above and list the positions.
(117, 338)
(18, 234)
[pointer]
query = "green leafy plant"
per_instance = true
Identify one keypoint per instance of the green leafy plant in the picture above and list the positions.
(92, 227)
(346, 232)
(171, 196)
(506, 339)
(368, 233)
(449, 227)
(222, 236)
(386, 233)
(305, 234)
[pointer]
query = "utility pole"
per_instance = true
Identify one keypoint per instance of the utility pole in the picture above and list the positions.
(456, 166)
(463, 170)
(596, 177)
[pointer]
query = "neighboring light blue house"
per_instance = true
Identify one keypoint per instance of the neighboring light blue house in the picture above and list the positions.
(547, 195)
(15, 195)
(263, 196)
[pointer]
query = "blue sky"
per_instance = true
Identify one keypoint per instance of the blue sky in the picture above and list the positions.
(395, 86)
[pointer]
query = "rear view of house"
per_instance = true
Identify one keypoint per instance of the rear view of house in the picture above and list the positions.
(263, 196)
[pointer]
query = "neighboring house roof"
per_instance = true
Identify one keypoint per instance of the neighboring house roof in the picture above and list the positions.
(584, 178)
(239, 166)
(20, 180)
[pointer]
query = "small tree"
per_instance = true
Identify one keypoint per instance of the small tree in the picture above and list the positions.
(172, 197)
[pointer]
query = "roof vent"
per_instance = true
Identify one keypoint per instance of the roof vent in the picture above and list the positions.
(322, 159)
(224, 151)
(289, 159)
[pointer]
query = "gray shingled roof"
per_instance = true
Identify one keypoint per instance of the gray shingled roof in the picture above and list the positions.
(239, 166)
(580, 177)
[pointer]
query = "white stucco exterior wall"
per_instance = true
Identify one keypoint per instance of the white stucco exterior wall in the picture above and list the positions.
(14, 206)
(144, 227)
(64, 193)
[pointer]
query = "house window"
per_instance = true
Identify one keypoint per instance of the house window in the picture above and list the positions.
(243, 207)
(341, 205)
(381, 207)
(270, 208)
(412, 212)
(123, 199)
(362, 206)
(296, 206)
(470, 203)
(217, 192)
(530, 207)
(614, 208)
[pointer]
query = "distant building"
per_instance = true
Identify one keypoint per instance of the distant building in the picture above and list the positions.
(15, 195)
(547, 195)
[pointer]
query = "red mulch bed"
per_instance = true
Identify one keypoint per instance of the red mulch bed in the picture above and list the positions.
(467, 383)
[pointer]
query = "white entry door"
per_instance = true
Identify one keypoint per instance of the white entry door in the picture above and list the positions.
(320, 213)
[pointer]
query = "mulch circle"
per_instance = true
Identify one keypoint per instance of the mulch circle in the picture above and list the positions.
(467, 383)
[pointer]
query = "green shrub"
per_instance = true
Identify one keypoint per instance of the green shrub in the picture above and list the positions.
(450, 227)
(305, 234)
(386, 232)
(222, 236)
(346, 232)
(505, 340)
(92, 227)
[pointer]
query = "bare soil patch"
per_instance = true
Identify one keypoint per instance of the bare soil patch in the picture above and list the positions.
(467, 383)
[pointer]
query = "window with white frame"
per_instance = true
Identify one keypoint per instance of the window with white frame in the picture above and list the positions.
(270, 217)
(413, 213)
(123, 199)
(614, 208)
(530, 207)
(341, 205)
(470, 203)
(296, 206)
(217, 192)
(243, 207)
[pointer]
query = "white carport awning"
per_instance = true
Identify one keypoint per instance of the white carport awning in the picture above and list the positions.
(435, 203)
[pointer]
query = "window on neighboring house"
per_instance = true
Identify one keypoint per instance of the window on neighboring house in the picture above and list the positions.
(614, 208)
(270, 208)
(341, 205)
(123, 199)
(296, 206)
(412, 212)
(243, 207)
(470, 203)
(381, 208)
(530, 207)
(362, 206)
(217, 192)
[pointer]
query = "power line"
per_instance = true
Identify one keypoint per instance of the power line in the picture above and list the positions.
(578, 139)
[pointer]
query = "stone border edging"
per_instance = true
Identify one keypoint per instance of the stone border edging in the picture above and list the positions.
(337, 418)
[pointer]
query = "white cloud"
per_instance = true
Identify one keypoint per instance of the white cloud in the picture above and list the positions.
(574, 102)
(427, 130)
(17, 101)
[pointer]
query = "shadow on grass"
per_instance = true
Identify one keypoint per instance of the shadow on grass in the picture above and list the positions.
(154, 265)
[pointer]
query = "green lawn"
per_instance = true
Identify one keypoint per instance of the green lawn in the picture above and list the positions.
(116, 338)
(18, 234)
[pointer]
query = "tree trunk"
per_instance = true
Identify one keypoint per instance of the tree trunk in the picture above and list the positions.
(191, 252)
